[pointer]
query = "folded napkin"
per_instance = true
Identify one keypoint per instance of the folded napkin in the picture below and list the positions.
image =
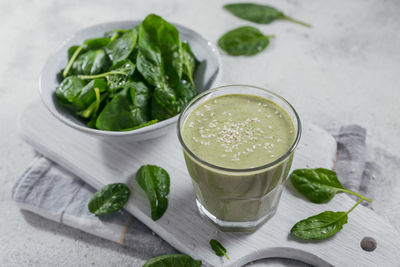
(54, 193)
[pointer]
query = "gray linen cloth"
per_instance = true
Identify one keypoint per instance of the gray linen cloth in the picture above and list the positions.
(52, 192)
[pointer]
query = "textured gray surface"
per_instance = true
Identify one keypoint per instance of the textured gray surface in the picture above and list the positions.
(344, 70)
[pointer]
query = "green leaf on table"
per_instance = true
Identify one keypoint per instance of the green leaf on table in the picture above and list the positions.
(189, 62)
(218, 248)
(109, 199)
(175, 260)
(121, 47)
(244, 41)
(155, 182)
(320, 226)
(262, 14)
(129, 109)
(317, 185)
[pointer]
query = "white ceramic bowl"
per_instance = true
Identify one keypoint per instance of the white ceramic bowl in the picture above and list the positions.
(206, 76)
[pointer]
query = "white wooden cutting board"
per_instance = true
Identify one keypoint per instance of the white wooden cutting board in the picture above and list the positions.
(99, 163)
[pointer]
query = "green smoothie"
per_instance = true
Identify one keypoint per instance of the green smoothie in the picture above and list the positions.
(239, 131)
(236, 133)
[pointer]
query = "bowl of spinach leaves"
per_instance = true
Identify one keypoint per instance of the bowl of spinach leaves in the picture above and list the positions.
(128, 80)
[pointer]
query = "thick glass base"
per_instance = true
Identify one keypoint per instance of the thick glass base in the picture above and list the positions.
(228, 226)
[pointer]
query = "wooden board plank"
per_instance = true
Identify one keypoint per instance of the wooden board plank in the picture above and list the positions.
(99, 162)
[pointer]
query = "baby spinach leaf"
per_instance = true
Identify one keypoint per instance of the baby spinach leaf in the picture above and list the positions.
(176, 260)
(244, 41)
(127, 110)
(121, 47)
(74, 93)
(158, 112)
(90, 63)
(159, 57)
(218, 248)
(95, 43)
(185, 91)
(109, 199)
(189, 62)
(75, 51)
(72, 50)
(320, 226)
(166, 97)
(117, 76)
(155, 182)
(319, 185)
(92, 110)
(69, 89)
(257, 13)
(120, 73)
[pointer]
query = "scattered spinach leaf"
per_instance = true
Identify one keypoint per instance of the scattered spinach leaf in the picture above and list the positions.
(319, 185)
(176, 260)
(121, 47)
(262, 14)
(320, 226)
(109, 199)
(218, 248)
(244, 41)
(155, 182)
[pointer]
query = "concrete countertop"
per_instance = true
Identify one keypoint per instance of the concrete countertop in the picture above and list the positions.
(346, 69)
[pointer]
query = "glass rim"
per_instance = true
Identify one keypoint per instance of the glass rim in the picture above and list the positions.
(262, 167)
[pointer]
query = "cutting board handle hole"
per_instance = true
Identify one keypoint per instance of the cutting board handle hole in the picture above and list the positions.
(368, 243)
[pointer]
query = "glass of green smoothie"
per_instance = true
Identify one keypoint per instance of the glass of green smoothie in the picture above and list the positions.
(238, 143)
